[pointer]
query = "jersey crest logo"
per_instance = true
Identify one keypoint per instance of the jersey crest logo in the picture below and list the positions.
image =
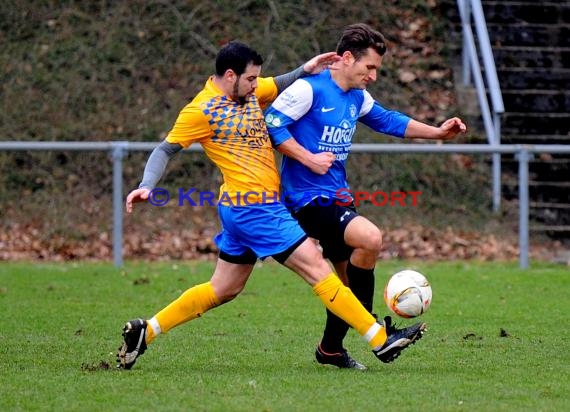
(352, 110)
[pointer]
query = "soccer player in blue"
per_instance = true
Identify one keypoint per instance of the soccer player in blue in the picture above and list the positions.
(312, 123)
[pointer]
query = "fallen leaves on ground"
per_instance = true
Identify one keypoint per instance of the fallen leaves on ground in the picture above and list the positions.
(413, 242)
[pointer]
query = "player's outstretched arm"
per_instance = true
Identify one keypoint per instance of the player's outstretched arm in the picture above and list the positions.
(153, 171)
(321, 62)
(136, 196)
(447, 131)
(316, 65)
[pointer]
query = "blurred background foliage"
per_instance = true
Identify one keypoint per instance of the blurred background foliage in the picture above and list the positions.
(121, 70)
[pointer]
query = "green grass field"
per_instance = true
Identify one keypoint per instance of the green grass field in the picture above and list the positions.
(497, 341)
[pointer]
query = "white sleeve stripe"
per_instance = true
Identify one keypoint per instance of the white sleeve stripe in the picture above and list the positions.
(296, 100)
(366, 104)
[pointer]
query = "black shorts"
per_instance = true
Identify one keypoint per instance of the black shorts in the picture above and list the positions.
(325, 220)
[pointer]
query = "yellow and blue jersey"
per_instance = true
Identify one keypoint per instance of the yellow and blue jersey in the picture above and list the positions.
(234, 136)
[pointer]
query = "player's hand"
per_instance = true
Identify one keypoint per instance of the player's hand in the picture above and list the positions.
(136, 196)
(320, 163)
(321, 62)
(451, 128)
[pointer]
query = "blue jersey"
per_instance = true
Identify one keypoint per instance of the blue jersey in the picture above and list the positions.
(322, 118)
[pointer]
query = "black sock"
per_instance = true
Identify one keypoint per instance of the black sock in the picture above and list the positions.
(334, 333)
(361, 282)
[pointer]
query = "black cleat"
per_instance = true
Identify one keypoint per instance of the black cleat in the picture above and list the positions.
(398, 340)
(134, 343)
(339, 359)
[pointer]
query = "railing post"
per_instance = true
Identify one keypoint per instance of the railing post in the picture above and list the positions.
(523, 158)
(119, 149)
(464, 8)
(497, 163)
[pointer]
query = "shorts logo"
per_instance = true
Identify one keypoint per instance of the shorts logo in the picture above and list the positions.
(327, 109)
(344, 215)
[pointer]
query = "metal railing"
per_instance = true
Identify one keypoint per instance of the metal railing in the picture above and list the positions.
(119, 149)
(471, 10)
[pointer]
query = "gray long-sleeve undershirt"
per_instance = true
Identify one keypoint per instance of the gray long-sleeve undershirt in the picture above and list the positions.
(161, 155)
(156, 163)
(285, 80)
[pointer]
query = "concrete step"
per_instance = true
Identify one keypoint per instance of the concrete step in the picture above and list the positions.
(544, 171)
(549, 205)
(517, 138)
(511, 57)
(547, 198)
(535, 123)
(551, 219)
(518, 55)
(536, 101)
(508, 12)
(529, 12)
(551, 192)
(552, 231)
(528, 35)
(513, 54)
(561, 188)
(521, 1)
(548, 218)
(534, 78)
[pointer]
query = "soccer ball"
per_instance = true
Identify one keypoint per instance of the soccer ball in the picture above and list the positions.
(408, 294)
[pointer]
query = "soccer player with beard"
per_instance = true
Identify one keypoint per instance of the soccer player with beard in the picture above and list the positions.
(312, 123)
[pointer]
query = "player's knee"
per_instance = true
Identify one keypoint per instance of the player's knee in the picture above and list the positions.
(373, 240)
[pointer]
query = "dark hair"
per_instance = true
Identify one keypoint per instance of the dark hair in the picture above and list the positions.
(357, 38)
(236, 56)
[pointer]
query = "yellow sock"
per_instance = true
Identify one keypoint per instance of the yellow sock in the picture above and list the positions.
(190, 305)
(341, 301)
